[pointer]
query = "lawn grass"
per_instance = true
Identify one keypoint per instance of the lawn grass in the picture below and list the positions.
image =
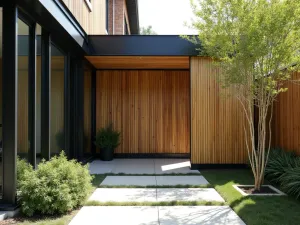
(254, 210)
(171, 203)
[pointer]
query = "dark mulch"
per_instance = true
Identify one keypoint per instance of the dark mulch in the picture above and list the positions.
(252, 190)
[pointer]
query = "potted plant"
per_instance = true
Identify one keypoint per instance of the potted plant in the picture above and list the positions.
(107, 139)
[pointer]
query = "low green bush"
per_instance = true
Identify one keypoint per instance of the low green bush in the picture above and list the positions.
(56, 187)
(283, 168)
(23, 167)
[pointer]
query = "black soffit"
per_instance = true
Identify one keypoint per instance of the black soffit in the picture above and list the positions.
(141, 45)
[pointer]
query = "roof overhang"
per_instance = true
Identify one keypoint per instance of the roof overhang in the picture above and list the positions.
(141, 45)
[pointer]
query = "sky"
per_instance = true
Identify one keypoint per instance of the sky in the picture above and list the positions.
(166, 16)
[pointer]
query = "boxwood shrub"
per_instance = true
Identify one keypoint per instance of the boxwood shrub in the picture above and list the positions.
(55, 187)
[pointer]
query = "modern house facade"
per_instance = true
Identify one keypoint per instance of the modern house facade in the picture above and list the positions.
(70, 67)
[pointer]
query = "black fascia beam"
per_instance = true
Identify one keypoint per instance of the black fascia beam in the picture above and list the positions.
(141, 45)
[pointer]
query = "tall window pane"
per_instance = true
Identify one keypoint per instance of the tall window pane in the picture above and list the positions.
(23, 94)
(38, 92)
(57, 100)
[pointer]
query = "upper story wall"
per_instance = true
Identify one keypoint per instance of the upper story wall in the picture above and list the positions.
(93, 21)
(93, 16)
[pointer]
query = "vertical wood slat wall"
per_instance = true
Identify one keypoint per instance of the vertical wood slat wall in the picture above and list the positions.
(286, 120)
(150, 107)
(217, 133)
(93, 22)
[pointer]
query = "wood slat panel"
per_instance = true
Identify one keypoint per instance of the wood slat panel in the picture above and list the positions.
(150, 107)
(286, 122)
(217, 121)
(140, 62)
(93, 22)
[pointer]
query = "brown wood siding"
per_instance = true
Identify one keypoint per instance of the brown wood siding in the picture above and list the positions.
(150, 107)
(87, 110)
(217, 121)
(140, 62)
(286, 122)
(93, 22)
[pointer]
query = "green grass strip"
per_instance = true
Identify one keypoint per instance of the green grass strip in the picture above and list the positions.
(171, 203)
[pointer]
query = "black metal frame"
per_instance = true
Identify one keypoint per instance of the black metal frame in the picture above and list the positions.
(10, 100)
(45, 94)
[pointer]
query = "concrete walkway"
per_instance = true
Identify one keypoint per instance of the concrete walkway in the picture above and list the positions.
(155, 195)
(142, 166)
(153, 180)
(153, 215)
(156, 215)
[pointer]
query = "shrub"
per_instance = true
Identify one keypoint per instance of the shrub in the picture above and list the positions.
(279, 162)
(283, 168)
(56, 187)
(290, 181)
(23, 167)
(107, 138)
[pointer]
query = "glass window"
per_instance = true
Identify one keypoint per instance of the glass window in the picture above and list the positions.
(57, 142)
(38, 92)
(23, 90)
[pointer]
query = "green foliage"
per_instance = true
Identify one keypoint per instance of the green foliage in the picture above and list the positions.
(279, 163)
(283, 168)
(56, 187)
(23, 167)
(147, 31)
(107, 138)
(250, 39)
(290, 181)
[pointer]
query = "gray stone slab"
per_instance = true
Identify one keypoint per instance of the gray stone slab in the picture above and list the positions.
(117, 215)
(195, 215)
(188, 194)
(134, 166)
(101, 167)
(124, 195)
(181, 180)
(129, 180)
(168, 166)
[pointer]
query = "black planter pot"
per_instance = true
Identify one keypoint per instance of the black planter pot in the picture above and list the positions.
(106, 154)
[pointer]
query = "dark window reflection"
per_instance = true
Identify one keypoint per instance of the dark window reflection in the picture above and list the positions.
(57, 141)
(23, 94)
